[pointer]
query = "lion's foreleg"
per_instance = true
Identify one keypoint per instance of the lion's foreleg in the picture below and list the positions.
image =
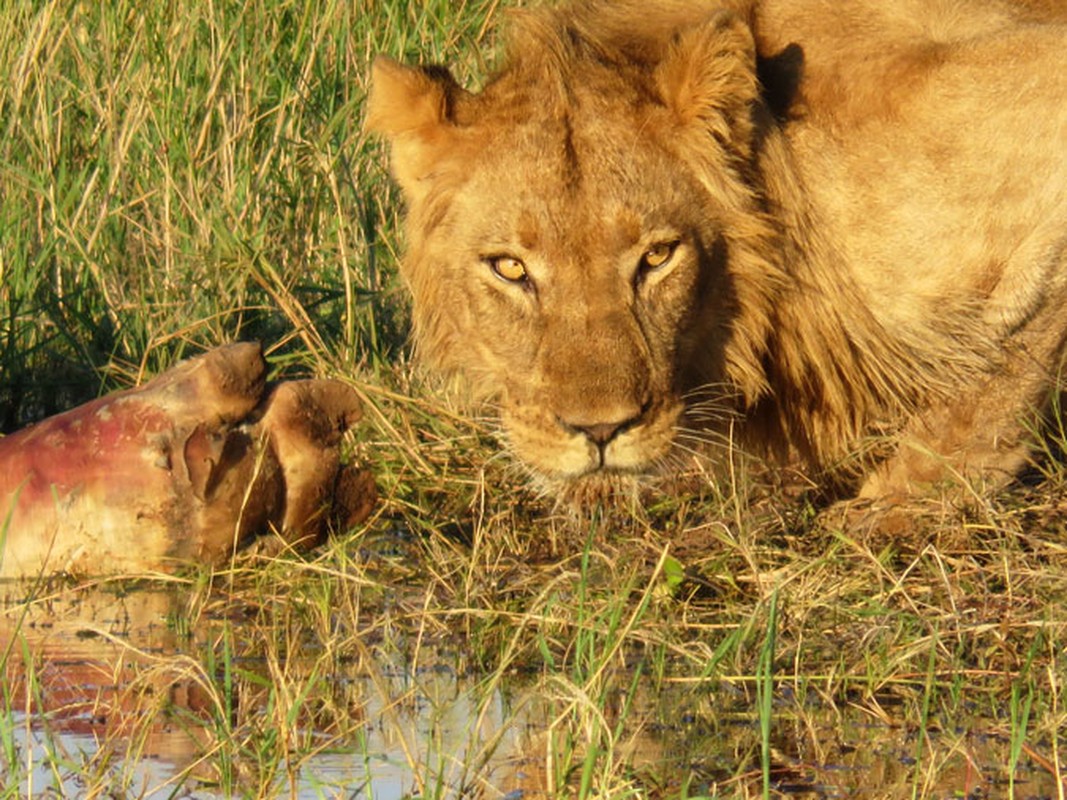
(990, 432)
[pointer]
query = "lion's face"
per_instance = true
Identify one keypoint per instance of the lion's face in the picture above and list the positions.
(577, 266)
(567, 261)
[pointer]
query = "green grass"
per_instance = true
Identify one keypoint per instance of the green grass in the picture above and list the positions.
(179, 176)
(174, 176)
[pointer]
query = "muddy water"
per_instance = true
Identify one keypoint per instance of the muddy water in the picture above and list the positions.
(104, 662)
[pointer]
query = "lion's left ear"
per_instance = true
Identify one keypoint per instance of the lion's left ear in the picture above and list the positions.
(412, 108)
(709, 77)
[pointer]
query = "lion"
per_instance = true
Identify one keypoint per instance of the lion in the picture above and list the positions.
(833, 231)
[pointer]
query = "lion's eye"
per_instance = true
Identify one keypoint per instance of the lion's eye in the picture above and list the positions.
(657, 256)
(510, 269)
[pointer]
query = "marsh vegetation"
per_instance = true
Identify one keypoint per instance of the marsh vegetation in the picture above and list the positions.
(174, 176)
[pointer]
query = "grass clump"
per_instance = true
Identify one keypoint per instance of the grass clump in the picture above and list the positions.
(176, 176)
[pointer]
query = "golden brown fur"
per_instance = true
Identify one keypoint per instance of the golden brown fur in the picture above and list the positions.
(814, 221)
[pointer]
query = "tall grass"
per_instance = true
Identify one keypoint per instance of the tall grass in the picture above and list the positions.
(176, 175)
(179, 175)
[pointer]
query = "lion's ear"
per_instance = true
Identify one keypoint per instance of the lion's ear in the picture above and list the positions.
(708, 77)
(411, 107)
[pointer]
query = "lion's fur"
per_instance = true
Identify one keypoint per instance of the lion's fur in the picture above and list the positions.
(868, 200)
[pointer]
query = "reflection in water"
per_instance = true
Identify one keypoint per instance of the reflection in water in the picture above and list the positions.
(98, 661)
(119, 684)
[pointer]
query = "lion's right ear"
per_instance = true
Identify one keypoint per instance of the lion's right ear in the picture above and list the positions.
(708, 77)
(411, 107)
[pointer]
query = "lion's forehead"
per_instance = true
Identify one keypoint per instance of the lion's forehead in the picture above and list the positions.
(549, 184)
(556, 224)
(592, 134)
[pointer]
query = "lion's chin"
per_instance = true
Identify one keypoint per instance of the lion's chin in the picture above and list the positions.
(602, 489)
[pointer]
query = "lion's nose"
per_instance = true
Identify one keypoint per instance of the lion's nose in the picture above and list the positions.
(600, 433)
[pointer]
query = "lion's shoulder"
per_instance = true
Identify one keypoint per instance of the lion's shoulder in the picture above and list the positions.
(864, 58)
